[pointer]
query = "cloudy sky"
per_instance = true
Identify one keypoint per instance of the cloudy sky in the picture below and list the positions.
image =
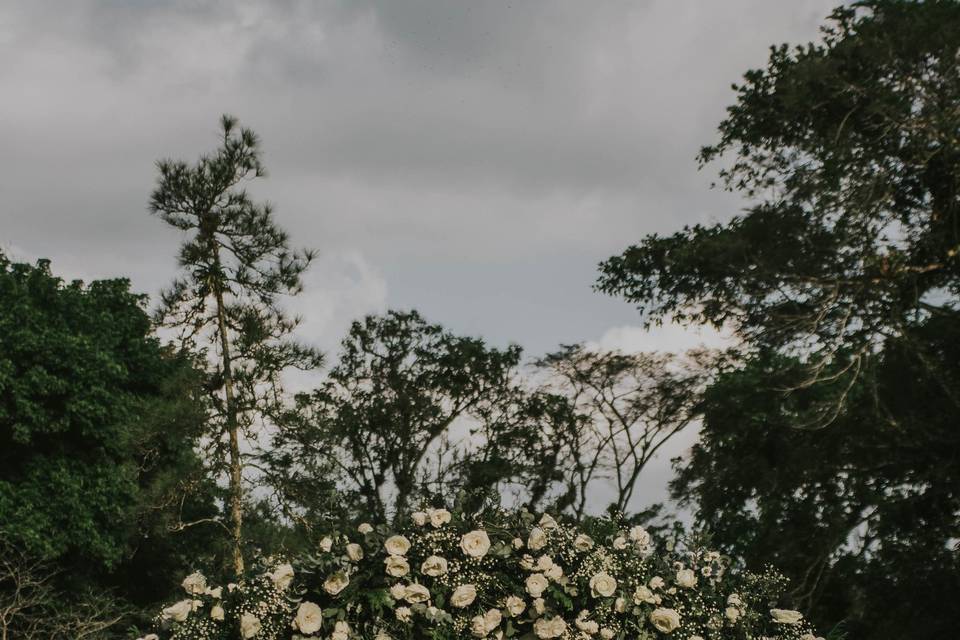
(474, 160)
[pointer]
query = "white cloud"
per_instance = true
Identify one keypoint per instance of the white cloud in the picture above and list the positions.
(670, 337)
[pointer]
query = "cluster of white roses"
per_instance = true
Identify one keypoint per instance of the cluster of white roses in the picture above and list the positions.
(507, 576)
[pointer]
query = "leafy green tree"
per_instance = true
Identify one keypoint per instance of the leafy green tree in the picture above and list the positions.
(98, 425)
(830, 442)
(411, 411)
(236, 264)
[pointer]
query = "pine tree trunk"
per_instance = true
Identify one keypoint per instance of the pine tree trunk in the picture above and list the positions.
(236, 464)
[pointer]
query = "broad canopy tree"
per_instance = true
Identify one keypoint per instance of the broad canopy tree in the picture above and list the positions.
(829, 442)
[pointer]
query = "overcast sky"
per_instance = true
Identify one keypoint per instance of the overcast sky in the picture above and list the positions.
(473, 160)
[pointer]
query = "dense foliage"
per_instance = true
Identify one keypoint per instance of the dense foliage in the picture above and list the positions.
(830, 442)
(489, 574)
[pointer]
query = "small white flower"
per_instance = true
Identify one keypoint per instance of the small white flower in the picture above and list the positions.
(537, 539)
(517, 543)
(537, 583)
(656, 582)
(365, 528)
(438, 517)
(282, 576)
(686, 578)
(355, 552)
(397, 566)
(603, 585)
(179, 611)
(195, 583)
(786, 616)
(309, 618)
(336, 583)
(583, 542)
(341, 631)
(249, 625)
(463, 596)
(546, 628)
(419, 518)
(397, 545)
(416, 593)
(326, 543)
(475, 544)
(434, 566)
(665, 620)
(514, 605)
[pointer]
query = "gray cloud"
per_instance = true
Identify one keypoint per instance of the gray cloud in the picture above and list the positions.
(472, 159)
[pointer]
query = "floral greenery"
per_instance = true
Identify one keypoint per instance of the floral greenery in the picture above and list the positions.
(495, 574)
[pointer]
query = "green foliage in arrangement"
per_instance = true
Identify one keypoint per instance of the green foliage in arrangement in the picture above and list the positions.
(489, 574)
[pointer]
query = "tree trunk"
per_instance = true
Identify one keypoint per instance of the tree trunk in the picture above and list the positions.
(236, 464)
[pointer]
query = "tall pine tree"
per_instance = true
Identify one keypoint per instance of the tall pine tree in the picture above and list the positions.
(235, 263)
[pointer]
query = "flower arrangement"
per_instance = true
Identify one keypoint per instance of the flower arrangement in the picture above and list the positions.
(492, 575)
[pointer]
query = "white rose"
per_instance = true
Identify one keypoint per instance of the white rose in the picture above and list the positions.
(554, 573)
(355, 552)
(475, 544)
(585, 625)
(231, 586)
(686, 578)
(543, 563)
(665, 620)
(734, 600)
(434, 566)
(732, 613)
(341, 631)
(382, 635)
(517, 543)
(603, 584)
(438, 517)
(326, 543)
(365, 528)
(606, 633)
(336, 583)
(398, 591)
(639, 536)
(537, 539)
(249, 625)
(194, 583)
(217, 612)
(643, 594)
(282, 576)
(416, 593)
(179, 611)
(547, 522)
(619, 543)
(478, 626)
(397, 545)
(397, 566)
(404, 614)
(463, 596)
(786, 616)
(549, 627)
(583, 542)
(539, 605)
(492, 619)
(309, 618)
(526, 562)
(656, 582)
(515, 605)
(537, 583)
(215, 593)
(620, 605)
(419, 518)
